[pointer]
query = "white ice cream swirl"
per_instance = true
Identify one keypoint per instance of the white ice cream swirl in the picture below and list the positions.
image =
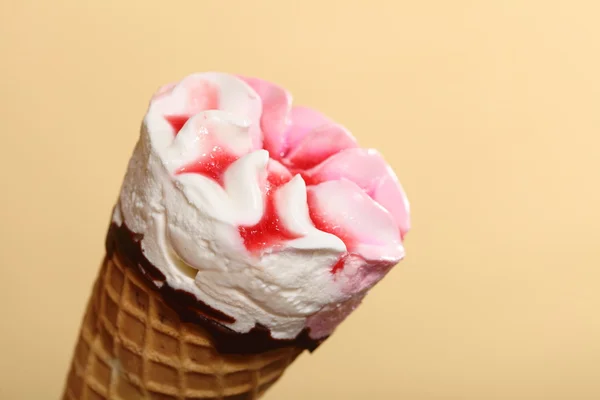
(268, 213)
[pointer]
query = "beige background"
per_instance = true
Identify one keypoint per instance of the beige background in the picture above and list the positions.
(488, 111)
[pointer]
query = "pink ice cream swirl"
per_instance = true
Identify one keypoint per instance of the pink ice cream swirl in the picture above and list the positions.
(312, 177)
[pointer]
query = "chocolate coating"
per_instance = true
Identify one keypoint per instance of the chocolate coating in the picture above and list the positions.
(128, 245)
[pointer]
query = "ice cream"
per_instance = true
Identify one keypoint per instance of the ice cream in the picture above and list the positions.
(246, 230)
(269, 215)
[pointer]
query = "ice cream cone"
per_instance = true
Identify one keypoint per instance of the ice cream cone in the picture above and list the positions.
(134, 346)
(245, 232)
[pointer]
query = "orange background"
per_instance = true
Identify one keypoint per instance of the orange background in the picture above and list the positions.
(488, 111)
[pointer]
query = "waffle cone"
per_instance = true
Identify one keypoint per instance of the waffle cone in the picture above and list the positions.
(134, 346)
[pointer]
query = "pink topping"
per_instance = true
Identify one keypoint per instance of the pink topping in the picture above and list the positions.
(212, 165)
(318, 145)
(177, 121)
(201, 95)
(371, 173)
(305, 120)
(276, 105)
(352, 193)
(269, 231)
(342, 208)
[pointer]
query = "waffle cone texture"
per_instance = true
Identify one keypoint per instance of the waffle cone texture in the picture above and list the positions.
(134, 346)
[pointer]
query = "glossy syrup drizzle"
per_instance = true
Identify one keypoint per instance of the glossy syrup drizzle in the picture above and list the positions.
(177, 121)
(212, 165)
(269, 231)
